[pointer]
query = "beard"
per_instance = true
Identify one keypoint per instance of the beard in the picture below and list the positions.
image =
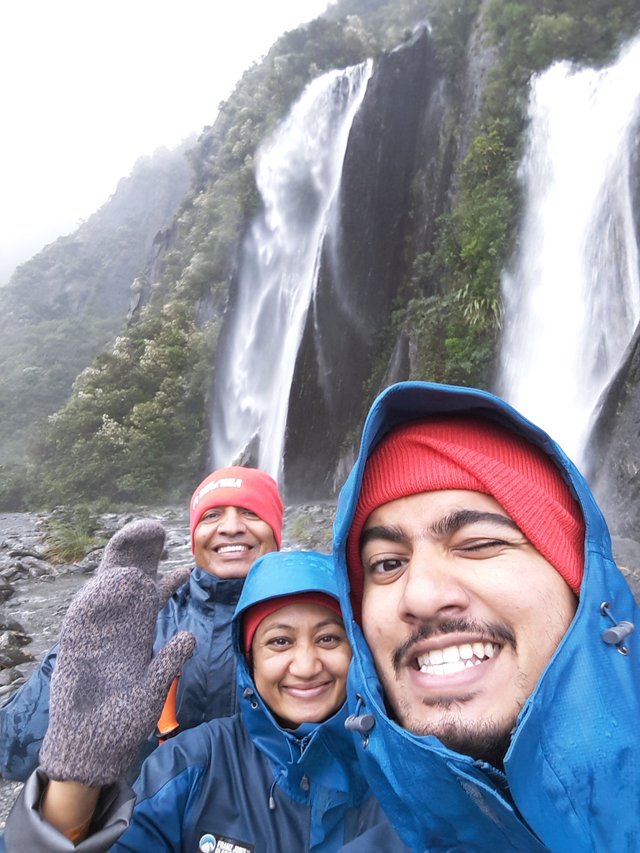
(483, 740)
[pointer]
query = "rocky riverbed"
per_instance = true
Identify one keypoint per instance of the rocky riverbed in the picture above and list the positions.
(34, 594)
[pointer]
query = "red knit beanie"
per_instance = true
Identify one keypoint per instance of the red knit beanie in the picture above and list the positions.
(248, 488)
(253, 616)
(454, 452)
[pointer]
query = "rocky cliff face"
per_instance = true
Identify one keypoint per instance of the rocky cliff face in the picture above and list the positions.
(364, 261)
(614, 448)
(398, 178)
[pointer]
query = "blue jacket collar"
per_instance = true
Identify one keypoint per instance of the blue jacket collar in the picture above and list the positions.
(207, 590)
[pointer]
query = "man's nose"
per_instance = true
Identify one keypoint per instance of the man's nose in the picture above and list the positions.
(432, 586)
(231, 522)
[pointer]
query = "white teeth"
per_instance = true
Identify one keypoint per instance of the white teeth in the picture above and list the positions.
(227, 549)
(466, 652)
(478, 650)
(446, 668)
(451, 654)
(455, 658)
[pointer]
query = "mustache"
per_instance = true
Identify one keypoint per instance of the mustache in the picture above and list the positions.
(491, 631)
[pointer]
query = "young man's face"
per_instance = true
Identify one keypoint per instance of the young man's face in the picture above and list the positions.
(461, 614)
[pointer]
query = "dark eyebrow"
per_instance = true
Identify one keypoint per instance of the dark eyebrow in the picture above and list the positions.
(456, 520)
(391, 534)
(333, 619)
(445, 526)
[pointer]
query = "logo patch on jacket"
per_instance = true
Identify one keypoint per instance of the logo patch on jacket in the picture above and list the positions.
(221, 844)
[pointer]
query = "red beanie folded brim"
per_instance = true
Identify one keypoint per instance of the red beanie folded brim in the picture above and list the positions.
(455, 452)
(253, 616)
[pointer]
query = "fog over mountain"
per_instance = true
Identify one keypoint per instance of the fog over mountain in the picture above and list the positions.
(91, 87)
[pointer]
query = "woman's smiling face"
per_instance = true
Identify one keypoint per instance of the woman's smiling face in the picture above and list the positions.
(301, 656)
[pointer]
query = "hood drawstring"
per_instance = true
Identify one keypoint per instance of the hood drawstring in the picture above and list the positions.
(360, 723)
(248, 693)
(615, 635)
(292, 756)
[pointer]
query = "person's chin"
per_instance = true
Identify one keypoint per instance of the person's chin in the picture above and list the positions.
(230, 568)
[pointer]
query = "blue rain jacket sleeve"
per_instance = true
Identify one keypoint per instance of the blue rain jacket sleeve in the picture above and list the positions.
(23, 722)
(571, 782)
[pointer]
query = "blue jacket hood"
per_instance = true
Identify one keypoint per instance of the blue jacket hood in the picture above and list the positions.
(312, 745)
(572, 772)
(285, 573)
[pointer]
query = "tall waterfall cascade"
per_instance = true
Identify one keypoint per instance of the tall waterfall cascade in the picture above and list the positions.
(572, 298)
(298, 176)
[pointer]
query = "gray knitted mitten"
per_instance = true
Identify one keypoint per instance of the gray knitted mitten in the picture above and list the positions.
(107, 691)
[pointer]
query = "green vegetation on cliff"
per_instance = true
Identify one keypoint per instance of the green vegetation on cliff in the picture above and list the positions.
(135, 426)
(453, 321)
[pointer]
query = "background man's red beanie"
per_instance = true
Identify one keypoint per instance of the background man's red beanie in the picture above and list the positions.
(249, 488)
(253, 616)
(454, 452)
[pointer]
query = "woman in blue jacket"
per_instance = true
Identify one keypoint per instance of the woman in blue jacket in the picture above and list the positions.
(280, 775)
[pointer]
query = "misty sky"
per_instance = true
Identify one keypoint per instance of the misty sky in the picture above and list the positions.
(88, 86)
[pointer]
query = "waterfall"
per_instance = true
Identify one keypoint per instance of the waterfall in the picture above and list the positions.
(572, 299)
(298, 176)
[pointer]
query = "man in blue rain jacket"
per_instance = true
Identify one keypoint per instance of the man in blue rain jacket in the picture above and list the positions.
(495, 680)
(235, 516)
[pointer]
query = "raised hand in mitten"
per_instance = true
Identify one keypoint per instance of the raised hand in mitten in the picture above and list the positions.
(107, 690)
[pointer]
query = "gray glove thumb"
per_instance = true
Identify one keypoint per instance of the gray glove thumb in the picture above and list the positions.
(169, 582)
(164, 667)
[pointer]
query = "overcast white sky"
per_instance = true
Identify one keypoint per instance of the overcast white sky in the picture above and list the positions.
(88, 86)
